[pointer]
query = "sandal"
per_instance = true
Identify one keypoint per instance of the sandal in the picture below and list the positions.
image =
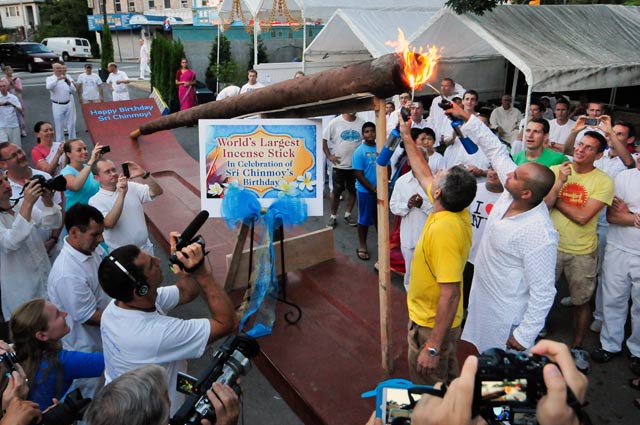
(363, 254)
(634, 383)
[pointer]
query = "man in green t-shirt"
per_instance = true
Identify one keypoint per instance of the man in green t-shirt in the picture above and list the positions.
(537, 133)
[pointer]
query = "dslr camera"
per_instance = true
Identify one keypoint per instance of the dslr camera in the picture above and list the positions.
(58, 183)
(508, 386)
(229, 362)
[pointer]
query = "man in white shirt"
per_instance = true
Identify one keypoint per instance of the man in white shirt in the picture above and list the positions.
(143, 59)
(73, 281)
(344, 133)
(513, 283)
(253, 83)
(135, 328)
(73, 284)
(584, 123)
(438, 121)
(14, 161)
(118, 83)
(9, 109)
(24, 260)
(61, 88)
(90, 86)
(120, 201)
(560, 128)
(505, 118)
(622, 271)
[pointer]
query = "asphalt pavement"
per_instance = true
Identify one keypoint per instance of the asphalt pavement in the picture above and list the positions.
(610, 397)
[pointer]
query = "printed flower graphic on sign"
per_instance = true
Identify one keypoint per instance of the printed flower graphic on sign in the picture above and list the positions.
(286, 188)
(306, 182)
(215, 190)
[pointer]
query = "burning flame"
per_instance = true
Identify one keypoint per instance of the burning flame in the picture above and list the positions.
(418, 67)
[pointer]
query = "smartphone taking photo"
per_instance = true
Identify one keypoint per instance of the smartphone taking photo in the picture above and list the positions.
(125, 170)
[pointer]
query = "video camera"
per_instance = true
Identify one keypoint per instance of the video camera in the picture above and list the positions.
(230, 361)
(58, 183)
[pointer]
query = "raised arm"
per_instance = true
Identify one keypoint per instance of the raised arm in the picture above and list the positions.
(419, 164)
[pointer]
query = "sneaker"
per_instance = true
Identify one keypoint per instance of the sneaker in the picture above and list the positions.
(566, 301)
(635, 364)
(596, 326)
(350, 221)
(332, 223)
(581, 358)
(602, 356)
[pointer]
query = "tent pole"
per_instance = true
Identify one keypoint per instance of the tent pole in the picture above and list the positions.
(514, 86)
(218, 60)
(528, 105)
(304, 38)
(612, 98)
(255, 41)
(384, 274)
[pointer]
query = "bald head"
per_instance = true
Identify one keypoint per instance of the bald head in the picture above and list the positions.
(539, 181)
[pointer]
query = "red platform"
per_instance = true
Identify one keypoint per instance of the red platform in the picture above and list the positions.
(322, 364)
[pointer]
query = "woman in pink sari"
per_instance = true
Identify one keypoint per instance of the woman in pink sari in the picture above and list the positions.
(186, 82)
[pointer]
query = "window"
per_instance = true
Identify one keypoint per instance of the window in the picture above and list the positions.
(78, 42)
(12, 11)
(167, 4)
(151, 3)
(184, 4)
(117, 5)
(132, 6)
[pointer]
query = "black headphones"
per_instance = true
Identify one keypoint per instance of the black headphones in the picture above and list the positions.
(141, 286)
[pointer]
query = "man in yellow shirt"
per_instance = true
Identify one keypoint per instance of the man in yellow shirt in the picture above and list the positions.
(580, 192)
(435, 289)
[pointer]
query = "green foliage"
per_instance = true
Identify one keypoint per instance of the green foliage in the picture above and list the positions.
(107, 48)
(471, 6)
(228, 72)
(165, 62)
(64, 18)
(262, 54)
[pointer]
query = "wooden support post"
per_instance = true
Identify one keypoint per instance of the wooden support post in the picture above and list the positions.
(236, 256)
(384, 272)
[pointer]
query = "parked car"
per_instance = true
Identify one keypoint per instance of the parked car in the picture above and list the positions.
(69, 47)
(30, 56)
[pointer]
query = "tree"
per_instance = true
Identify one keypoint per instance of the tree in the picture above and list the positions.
(165, 61)
(228, 70)
(61, 15)
(262, 53)
(472, 6)
(107, 47)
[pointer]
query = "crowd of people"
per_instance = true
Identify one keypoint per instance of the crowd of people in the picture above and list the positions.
(82, 302)
(482, 236)
(488, 236)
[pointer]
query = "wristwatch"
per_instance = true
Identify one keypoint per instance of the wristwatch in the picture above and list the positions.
(433, 352)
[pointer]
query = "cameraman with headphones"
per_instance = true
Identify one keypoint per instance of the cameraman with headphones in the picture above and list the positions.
(136, 330)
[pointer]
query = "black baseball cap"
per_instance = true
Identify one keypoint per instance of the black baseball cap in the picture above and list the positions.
(88, 65)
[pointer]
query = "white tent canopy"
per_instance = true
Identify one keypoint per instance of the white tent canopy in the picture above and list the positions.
(322, 10)
(555, 47)
(352, 35)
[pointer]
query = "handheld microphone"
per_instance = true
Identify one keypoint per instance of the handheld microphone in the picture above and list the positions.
(191, 230)
(188, 237)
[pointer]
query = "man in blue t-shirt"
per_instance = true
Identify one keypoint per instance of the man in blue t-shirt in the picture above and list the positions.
(364, 168)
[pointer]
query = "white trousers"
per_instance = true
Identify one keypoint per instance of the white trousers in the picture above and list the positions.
(144, 67)
(124, 95)
(622, 280)
(407, 254)
(602, 243)
(64, 115)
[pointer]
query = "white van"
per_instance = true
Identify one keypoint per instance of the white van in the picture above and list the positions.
(69, 47)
